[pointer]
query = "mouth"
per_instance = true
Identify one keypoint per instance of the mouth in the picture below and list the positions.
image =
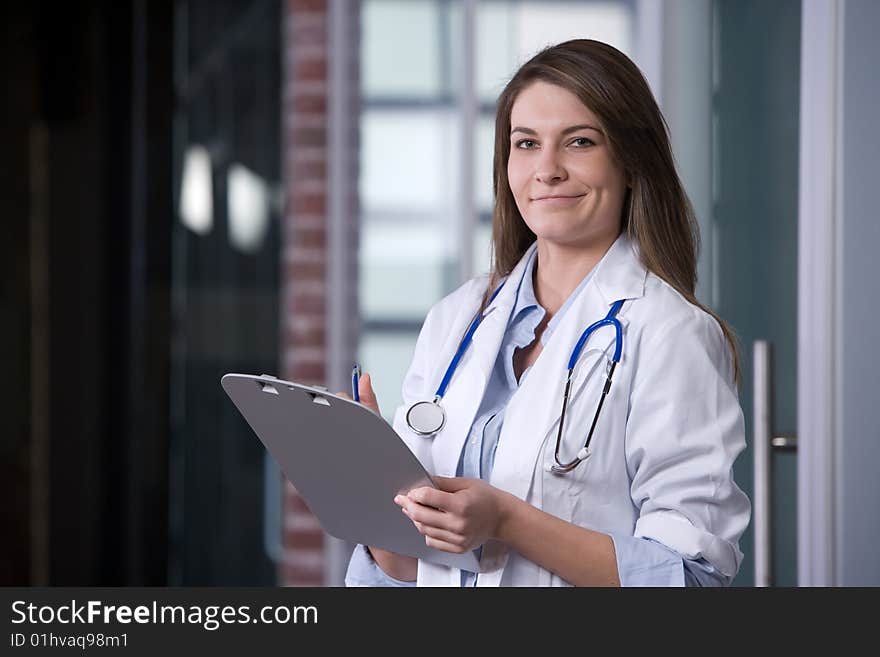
(558, 199)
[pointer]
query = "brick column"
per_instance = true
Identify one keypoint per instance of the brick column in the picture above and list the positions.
(306, 339)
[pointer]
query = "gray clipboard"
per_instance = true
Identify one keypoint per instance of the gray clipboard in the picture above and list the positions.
(345, 461)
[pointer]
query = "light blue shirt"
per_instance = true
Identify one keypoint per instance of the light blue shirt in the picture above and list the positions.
(640, 561)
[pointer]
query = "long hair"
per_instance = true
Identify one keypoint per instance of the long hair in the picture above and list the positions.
(657, 214)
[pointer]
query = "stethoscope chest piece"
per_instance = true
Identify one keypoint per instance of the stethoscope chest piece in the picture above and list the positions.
(425, 417)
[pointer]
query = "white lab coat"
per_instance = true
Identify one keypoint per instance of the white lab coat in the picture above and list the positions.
(664, 447)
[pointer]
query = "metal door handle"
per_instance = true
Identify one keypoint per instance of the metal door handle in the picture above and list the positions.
(786, 443)
(764, 443)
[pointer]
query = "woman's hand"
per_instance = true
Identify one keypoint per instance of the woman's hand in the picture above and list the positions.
(365, 391)
(460, 517)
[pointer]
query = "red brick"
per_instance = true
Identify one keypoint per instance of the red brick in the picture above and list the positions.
(300, 576)
(306, 270)
(306, 119)
(308, 304)
(310, 104)
(297, 255)
(304, 292)
(311, 373)
(294, 540)
(302, 281)
(304, 154)
(306, 33)
(310, 238)
(312, 68)
(315, 337)
(308, 203)
(311, 582)
(308, 170)
(307, 5)
(315, 136)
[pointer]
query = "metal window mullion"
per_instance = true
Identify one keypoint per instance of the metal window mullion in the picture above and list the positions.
(469, 108)
(342, 265)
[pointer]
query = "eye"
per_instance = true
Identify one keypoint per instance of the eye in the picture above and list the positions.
(583, 142)
(525, 143)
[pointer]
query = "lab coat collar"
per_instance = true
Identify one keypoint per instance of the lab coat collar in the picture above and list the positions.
(618, 275)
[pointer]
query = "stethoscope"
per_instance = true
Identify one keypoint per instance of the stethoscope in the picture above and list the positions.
(426, 418)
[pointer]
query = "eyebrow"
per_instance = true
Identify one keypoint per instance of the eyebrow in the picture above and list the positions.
(573, 128)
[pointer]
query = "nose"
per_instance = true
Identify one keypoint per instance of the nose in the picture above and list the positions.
(549, 168)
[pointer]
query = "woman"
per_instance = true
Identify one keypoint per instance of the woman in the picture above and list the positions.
(590, 223)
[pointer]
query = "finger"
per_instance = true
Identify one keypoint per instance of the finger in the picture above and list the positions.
(428, 516)
(443, 545)
(441, 534)
(367, 395)
(452, 484)
(433, 497)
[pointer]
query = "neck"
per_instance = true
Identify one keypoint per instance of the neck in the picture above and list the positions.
(560, 268)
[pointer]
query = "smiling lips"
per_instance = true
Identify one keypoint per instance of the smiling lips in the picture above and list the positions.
(558, 200)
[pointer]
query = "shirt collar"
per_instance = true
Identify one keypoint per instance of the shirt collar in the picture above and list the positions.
(526, 299)
(525, 293)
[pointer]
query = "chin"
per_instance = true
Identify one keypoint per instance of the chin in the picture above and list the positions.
(584, 237)
(552, 229)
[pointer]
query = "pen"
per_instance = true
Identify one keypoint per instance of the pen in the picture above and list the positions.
(355, 377)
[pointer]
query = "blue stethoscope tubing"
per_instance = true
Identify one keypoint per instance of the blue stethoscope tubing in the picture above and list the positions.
(610, 319)
(426, 418)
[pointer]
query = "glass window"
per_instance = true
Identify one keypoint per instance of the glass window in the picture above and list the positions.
(408, 160)
(539, 24)
(392, 28)
(496, 58)
(403, 269)
(511, 32)
(390, 353)
(484, 153)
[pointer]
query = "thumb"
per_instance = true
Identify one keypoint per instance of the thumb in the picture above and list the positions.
(450, 484)
(365, 390)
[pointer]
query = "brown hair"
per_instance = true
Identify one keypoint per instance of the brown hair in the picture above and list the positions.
(657, 214)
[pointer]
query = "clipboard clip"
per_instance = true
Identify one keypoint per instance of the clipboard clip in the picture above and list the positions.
(318, 399)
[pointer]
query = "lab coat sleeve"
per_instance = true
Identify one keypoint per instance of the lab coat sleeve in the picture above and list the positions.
(364, 571)
(685, 428)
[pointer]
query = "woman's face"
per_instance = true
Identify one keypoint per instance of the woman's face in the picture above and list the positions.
(567, 186)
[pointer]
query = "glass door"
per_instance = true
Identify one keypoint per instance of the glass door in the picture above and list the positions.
(754, 241)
